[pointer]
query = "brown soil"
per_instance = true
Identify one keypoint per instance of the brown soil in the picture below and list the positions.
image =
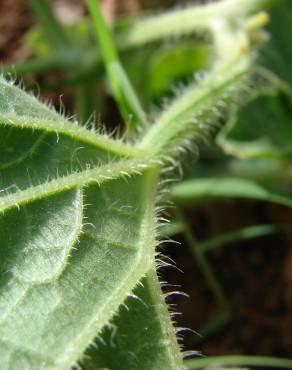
(15, 19)
(256, 277)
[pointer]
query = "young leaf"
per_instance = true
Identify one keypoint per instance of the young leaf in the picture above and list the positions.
(260, 129)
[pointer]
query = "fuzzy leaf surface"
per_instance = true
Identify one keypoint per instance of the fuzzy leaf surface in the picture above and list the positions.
(141, 335)
(75, 236)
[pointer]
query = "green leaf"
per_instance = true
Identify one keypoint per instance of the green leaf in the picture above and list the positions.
(59, 286)
(228, 187)
(277, 54)
(244, 233)
(141, 335)
(20, 110)
(174, 63)
(260, 129)
(261, 361)
(51, 26)
(69, 258)
(199, 107)
(77, 237)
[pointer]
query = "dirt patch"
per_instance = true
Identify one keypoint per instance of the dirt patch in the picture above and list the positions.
(255, 275)
(15, 20)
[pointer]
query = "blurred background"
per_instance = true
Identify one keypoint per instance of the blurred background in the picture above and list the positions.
(234, 254)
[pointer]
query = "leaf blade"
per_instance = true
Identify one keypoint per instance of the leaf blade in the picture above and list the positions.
(75, 303)
(145, 317)
(192, 190)
(21, 110)
(239, 360)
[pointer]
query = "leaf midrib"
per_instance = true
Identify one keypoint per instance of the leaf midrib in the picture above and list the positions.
(72, 130)
(98, 174)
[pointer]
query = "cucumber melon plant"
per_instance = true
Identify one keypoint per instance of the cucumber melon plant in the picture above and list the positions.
(79, 210)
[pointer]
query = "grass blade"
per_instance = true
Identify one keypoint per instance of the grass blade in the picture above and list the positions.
(239, 360)
(52, 27)
(243, 234)
(123, 91)
(227, 187)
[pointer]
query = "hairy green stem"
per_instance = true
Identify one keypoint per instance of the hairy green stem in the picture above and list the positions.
(98, 174)
(186, 20)
(148, 29)
(196, 102)
(233, 65)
